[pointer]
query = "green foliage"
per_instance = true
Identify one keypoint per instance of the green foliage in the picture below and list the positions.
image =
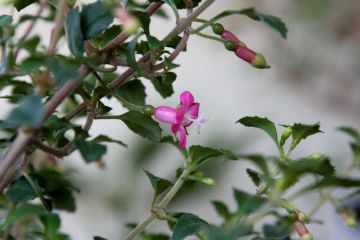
(179, 4)
(142, 125)
(20, 190)
(62, 69)
(21, 4)
(29, 113)
(95, 18)
(159, 184)
(247, 203)
(51, 223)
(73, 30)
(199, 154)
(302, 131)
(187, 225)
(254, 175)
(91, 151)
(163, 84)
(5, 20)
(23, 212)
(279, 232)
(261, 123)
(133, 92)
(222, 209)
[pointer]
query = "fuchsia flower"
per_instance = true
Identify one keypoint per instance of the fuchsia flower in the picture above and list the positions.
(181, 117)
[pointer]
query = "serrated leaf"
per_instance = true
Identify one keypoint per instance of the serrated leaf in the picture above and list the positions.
(104, 138)
(5, 20)
(23, 212)
(144, 19)
(153, 42)
(169, 65)
(21, 4)
(222, 209)
(188, 225)
(302, 131)
(259, 160)
(29, 112)
(159, 184)
(20, 190)
(165, 90)
(74, 34)
(90, 151)
(133, 92)
(261, 123)
(254, 175)
(198, 154)
(142, 125)
(95, 18)
(247, 203)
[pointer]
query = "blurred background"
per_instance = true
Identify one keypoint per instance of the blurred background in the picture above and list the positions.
(314, 77)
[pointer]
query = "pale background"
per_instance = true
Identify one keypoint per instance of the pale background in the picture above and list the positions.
(314, 77)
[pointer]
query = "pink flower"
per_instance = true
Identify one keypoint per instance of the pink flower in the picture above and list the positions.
(229, 36)
(181, 117)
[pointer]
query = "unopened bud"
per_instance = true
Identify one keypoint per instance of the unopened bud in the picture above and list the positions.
(348, 216)
(302, 231)
(257, 60)
(307, 236)
(218, 28)
(229, 36)
(285, 135)
(130, 23)
(302, 216)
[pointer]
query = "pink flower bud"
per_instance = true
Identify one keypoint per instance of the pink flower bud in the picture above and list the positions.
(257, 60)
(302, 231)
(229, 36)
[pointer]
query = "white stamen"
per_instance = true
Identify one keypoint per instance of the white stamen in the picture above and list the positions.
(200, 120)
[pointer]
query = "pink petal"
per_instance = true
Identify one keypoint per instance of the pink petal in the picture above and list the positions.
(186, 99)
(182, 140)
(229, 36)
(193, 111)
(245, 54)
(175, 128)
(180, 114)
(166, 114)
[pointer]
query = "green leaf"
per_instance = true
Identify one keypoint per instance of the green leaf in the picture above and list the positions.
(20, 190)
(95, 18)
(165, 90)
(32, 64)
(352, 132)
(302, 131)
(159, 184)
(62, 69)
(169, 65)
(198, 154)
(74, 35)
(21, 4)
(99, 238)
(254, 175)
(105, 37)
(180, 4)
(142, 125)
(104, 138)
(332, 181)
(29, 113)
(131, 54)
(90, 151)
(52, 224)
(259, 160)
(5, 20)
(247, 203)
(229, 233)
(133, 92)
(188, 225)
(222, 209)
(30, 44)
(23, 212)
(278, 232)
(261, 123)
(154, 43)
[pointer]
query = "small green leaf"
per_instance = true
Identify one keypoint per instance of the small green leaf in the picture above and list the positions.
(165, 90)
(23, 212)
(199, 154)
(247, 203)
(133, 92)
(99, 238)
(261, 123)
(20, 190)
(21, 4)
(259, 160)
(302, 131)
(254, 175)
(131, 54)
(95, 18)
(31, 64)
(30, 44)
(74, 35)
(222, 209)
(62, 69)
(142, 125)
(104, 138)
(29, 112)
(154, 43)
(339, 182)
(5, 20)
(52, 224)
(159, 184)
(278, 232)
(105, 37)
(188, 225)
(169, 65)
(90, 151)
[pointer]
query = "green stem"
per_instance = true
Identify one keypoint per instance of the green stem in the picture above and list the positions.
(164, 202)
(210, 37)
